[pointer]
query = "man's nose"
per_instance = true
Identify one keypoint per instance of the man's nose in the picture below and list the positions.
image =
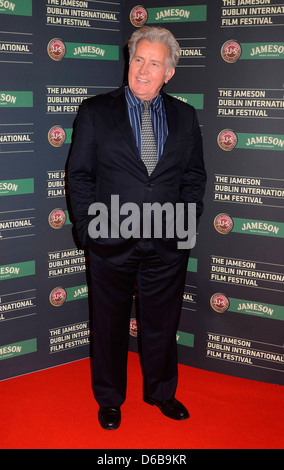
(144, 68)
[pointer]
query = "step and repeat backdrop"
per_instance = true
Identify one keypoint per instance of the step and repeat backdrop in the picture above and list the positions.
(230, 70)
(53, 55)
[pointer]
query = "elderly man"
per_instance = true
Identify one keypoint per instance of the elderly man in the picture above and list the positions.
(138, 145)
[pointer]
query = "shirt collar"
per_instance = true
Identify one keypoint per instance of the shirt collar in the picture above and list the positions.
(133, 101)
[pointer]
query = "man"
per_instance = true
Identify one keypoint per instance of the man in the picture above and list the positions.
(107, 159)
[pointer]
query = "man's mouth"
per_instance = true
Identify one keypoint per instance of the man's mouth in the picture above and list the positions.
(142, 81)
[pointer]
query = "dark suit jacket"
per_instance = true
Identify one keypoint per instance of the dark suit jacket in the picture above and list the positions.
(104, 161)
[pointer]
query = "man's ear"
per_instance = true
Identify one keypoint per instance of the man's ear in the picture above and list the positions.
(169, 75)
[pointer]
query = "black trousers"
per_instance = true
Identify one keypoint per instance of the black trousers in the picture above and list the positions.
(160, 289)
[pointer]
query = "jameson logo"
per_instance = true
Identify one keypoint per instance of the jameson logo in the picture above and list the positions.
(228, 140)
(177, 14)
(91, 51)
(231, 51)
(263, 51)
(60, 295)
(220, 303)
(196, 100)
(11, 271)
(16, 99)
(259, 227)
(77, 293)
(15, 187)
(16, 7)
(261, 141)
(259, 309)
(225, 224)
(18, 349)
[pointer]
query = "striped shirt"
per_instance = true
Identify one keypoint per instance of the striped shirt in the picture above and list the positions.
(158, 116)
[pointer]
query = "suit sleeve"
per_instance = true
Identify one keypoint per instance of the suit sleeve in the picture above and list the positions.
(81, 171)
(193, 178)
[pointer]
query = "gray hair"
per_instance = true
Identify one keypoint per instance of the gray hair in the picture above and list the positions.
(156, 34)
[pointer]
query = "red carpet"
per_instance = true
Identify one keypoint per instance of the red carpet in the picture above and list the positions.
(55, 409)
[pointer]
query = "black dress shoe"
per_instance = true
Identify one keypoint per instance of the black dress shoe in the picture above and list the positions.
(171, 408)
(109, 418)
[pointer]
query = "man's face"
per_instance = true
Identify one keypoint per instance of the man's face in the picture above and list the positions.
(148, 69)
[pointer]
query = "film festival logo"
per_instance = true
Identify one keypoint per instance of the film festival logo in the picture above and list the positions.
(56, 136)
(138, 16)
(227, 140)
(56, 49)
(57, 218)
(223, 224)
(231, 51)
(219, 302)
(158, 221)
(57, 296)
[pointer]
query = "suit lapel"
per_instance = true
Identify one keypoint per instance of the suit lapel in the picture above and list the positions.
(173, 124)
(119, 109)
